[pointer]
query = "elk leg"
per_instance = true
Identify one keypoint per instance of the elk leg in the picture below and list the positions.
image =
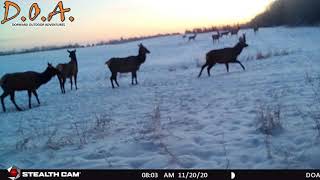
(5, 94)
(135, 77)
(209, 68)
(240, 64)
(12, 97)
(60, 82)
(36, 95)
(111, 79)
(114, 78)
(116, 81)
(132, 78)
(75, 81)
(227, 66)
(71, 82)
(29, 96)
(204, 66)
(63, 85)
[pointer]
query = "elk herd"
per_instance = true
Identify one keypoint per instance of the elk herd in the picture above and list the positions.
(31, 81)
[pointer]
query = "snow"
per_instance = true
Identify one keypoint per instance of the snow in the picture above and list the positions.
(171, 119)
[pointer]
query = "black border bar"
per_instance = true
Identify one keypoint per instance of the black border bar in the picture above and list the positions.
(163, 174)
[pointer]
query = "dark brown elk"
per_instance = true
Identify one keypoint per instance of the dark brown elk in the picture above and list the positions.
(234, 31)
(69, 70)
(216, 37)
(256, 29)
(25, 81)
(226, 33)
(127, 65)
(225, 56)
(193, 37)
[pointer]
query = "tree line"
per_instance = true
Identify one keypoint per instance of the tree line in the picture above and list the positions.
(290, 13)
(77, 45)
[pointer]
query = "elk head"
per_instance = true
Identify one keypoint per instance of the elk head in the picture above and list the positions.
(243, 41)
(72, 54)
(143, 50)
(52, 70)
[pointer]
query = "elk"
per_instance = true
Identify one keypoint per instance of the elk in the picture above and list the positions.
(25, 81)
(193, 37)
(225, 56)
(184, 36)
(256, 29)
(127, 65)
(224, 33)
(216, 37)
(234, 31)
(69, 70)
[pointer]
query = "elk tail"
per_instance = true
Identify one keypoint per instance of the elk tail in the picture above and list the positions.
(108, 62)
(2, 80)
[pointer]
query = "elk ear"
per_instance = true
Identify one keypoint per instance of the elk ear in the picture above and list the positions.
(244, 37)
(69, 51)
(75, 50)
(240, 39)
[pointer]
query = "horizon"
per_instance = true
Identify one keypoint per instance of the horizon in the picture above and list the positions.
(103, 21)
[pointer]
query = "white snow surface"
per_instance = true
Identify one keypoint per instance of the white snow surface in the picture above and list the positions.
(172, 119)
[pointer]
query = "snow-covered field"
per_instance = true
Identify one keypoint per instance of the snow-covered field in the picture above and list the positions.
(171, 119)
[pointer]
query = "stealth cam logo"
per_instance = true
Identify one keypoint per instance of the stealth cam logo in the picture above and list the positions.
(14, 173)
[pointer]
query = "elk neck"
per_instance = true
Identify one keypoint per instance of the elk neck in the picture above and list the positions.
(74, 59)
(238, 49)
(45, 76)
(142, 57)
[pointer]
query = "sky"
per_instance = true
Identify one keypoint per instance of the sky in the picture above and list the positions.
(97, 20)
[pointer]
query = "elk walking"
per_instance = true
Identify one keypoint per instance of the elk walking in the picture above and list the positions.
(193, 37)
(225, 56)
(127, 65)
(25, 81)
(68, 70)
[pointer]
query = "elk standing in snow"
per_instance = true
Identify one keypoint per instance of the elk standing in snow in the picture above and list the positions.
(256, 29)
(234, 31)
(127, 65)
(193, 37)
(225, 56)
(216, 37)
(69, 70)
(226, 33)
(26, 81)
